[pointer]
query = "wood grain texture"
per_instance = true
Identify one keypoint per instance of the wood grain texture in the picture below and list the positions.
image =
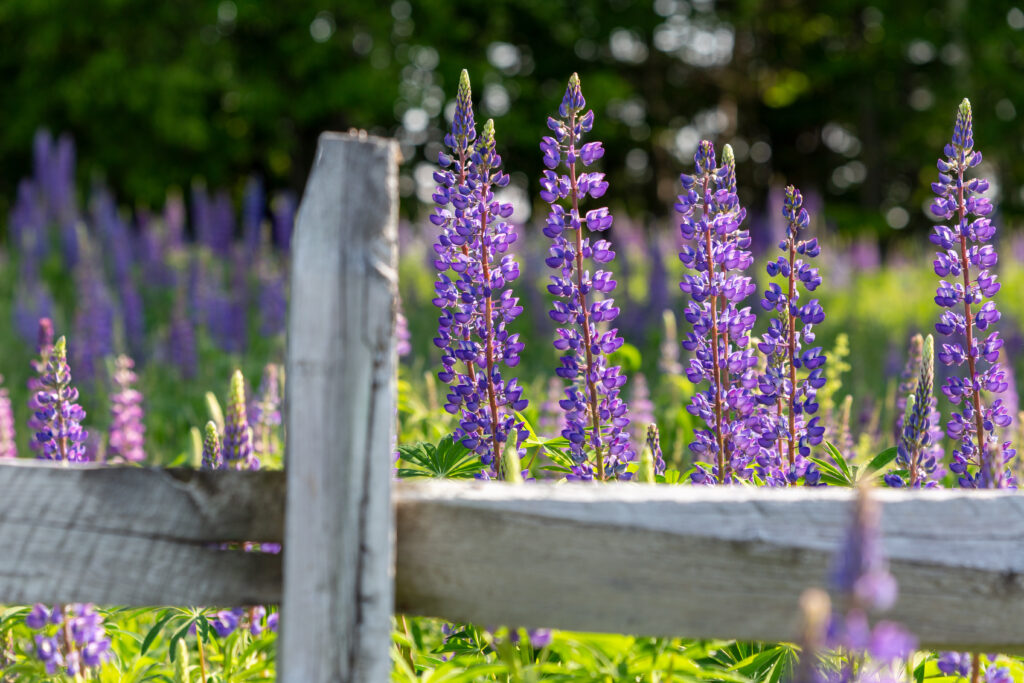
(702, 562)
(340, 412)
(135, 536)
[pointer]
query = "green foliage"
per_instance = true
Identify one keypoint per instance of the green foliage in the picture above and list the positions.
(448, 459)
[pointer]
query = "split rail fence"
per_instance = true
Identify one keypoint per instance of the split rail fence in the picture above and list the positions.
(652, 560)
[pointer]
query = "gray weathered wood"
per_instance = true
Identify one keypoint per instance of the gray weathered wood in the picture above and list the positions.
(340, 411)
(702, 562)
(134, 536)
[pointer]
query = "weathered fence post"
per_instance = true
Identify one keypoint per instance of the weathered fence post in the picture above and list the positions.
(340, 412)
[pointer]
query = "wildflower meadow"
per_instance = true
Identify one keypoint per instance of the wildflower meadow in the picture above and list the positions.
(723, 347)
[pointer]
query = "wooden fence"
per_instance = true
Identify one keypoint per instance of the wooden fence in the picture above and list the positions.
(652, 560)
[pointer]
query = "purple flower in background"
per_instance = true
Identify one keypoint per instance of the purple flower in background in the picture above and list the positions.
(266, 411)
(404, 338)
(474, 270)
(788, 349)
(181, 339)
(597, 420)
(252, 216)
(284, 206)
(32, 300)
(127, 432)
(966, 257)
(908, 380)
(641, 409)
(61, 436)
(94, 319)
(273, 296)
(716, 251)
(238, 447)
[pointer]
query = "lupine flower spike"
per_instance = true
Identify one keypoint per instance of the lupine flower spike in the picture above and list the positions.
(213, 455)
(474, 270)
(61, 436)
(127, 432)
(716, 252)
(795, 368)
(919, 447)
(966, 256)
(44, 347)
(266, 413)
(597, 419)
(238, 449)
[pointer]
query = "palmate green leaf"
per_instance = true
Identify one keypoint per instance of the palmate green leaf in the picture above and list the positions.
(448, 459)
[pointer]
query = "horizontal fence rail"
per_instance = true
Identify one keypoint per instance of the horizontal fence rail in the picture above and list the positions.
(650, 560)
(726, 562)
(136, 536)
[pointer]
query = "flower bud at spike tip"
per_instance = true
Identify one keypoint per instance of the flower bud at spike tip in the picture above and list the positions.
(213, 458)
(181, 673)
(463, 125)
(645, 474)
(216, 412)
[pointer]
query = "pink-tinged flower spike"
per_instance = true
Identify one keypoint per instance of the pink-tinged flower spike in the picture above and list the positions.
(61, 437)
(127, 432)
(966, 257)
(716, 251)
(597, 420)
(8, 445)
(266, 412)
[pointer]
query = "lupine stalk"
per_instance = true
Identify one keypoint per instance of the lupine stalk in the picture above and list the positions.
(654, 446)
(61, 437)
(716, 251)
(785, 343)
(979, 460)
(127, 432)
(596, 418)
(476, 305)
(238, 448)
(44, 347)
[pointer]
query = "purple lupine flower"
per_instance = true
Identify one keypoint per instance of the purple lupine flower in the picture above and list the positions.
(61, 437)
(252, 216)
(266, 411)
(181, 339)
(127, 433)
(44, 347)
(788, 348)
(955, 663)
(284, 220)
(979, 460)
(238, 448)
(32, 301)
(476, 307)
(717, 251)
(8, 445)
(273, 298)
(213, 454)
(919, 447)
(641, 409)
(908, 380)
(94, 320)
(596, 418)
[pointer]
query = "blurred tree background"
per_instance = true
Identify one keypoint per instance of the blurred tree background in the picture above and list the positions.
(852, 100)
